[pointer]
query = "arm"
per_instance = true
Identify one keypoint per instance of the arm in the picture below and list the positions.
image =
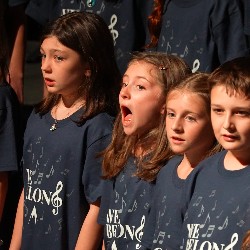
(17, 39)
(91, 233)
(3, 190)
(17, 232)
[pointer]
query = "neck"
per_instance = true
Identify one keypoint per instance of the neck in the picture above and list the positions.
(186, 166)
(236, 160)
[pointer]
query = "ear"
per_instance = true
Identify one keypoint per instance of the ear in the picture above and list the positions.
(163, 109)
(87, 72)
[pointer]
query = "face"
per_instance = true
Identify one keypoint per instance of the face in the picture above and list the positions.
(188, 124)
(141, 99)
(230, 114)
(62, 68)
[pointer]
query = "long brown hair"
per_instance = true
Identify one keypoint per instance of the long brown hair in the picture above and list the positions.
(170, 70)
(88, 35)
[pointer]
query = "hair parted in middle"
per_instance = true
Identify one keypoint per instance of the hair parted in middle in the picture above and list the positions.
(170, 70)
(88, 35)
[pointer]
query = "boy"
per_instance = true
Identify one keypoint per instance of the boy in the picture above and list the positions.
(218, 211)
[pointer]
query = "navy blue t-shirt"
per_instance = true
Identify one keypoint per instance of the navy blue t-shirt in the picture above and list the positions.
(125, 205)
(62, 175)
(162, 230)
(9, 122)
(218, 212)
(205, 33)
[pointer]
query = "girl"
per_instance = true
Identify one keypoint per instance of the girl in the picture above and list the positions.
(195, 30)
(138, 147)
(60, 200)
(190, 137)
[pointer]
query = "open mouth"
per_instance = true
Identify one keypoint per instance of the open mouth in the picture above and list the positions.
(126, 115)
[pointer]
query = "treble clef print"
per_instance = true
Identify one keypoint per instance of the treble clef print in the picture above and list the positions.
(56, 201)
(114, 32)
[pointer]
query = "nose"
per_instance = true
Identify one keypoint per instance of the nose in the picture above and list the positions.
(177, 125)
(125, 92)
(45, 65)
(228, 123)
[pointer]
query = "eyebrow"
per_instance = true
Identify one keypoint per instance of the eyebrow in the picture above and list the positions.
(138, 77)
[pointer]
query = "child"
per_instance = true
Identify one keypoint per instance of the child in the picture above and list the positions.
(190, 136)
(218, 213)
(9, 142)
(204, 33)
(64, 135)
(138, 147)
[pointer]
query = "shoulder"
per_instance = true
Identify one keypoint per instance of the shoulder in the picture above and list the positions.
(171, 164)
(207, 165)
(7, 95)
(99, 126)
(101, 121)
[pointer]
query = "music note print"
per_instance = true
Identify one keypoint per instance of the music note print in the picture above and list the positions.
(123, 205)
(160, 237)
(207, 220)
(241, 223)
(212, 193)
(197, 202)
(236, 210)
(214, 207)
(134, 207)
(224, 225)
(50, 173)
(201, 211)
(49, 230)
(209, 231)
(39, 179)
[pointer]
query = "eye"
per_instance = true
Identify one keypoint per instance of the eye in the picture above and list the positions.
(58, 58)
(242, 113)
(170, 114)
(140, 87)
(190, 118)
(124, 84)
(43, 56)
(217, 111)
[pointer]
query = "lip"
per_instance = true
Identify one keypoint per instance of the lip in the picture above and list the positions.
(229, 138)
(176, 140)
(49, 82)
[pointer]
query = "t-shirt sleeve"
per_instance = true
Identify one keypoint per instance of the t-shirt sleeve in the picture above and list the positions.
(228, 30)
(8, 138)
(107, 190)
(99, 137)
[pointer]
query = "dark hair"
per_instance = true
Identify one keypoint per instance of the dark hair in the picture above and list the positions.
(155, 22)
(234, 75)
(88, 35)
(4, 53)
(169, 70)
